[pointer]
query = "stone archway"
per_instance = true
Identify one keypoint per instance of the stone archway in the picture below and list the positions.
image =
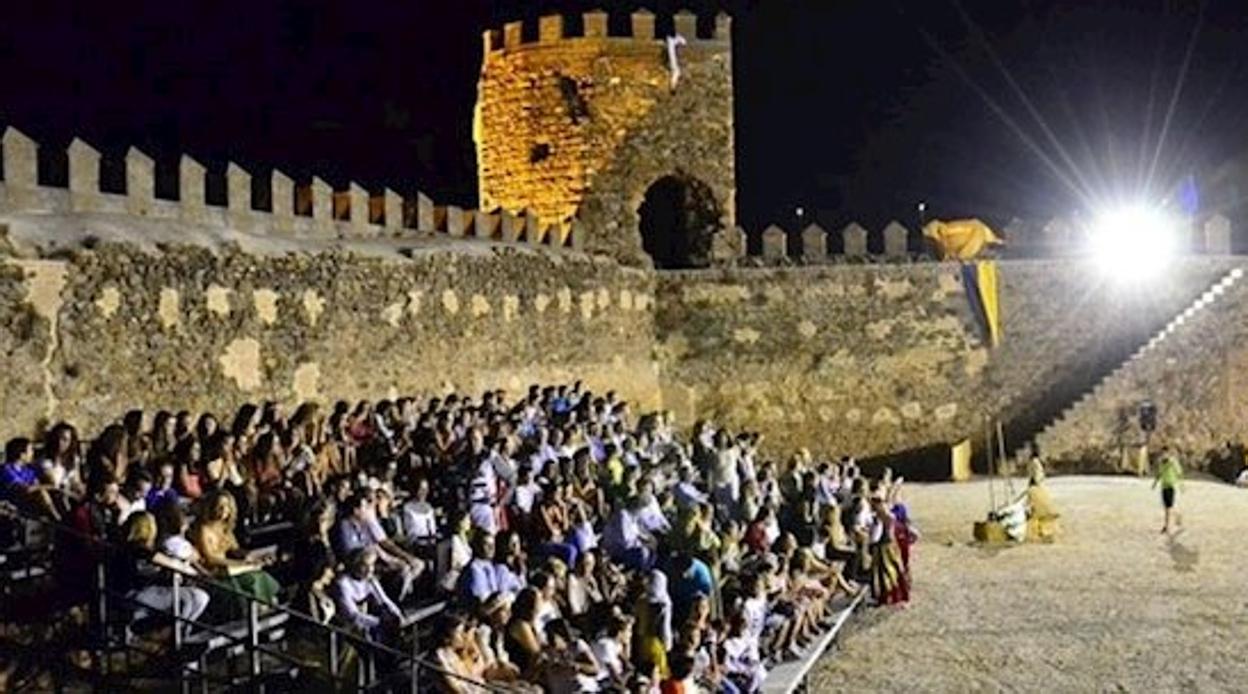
(678, 218)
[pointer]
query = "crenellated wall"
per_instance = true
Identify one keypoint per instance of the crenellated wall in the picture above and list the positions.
(872, 359)
(307, 211)
(577, 127)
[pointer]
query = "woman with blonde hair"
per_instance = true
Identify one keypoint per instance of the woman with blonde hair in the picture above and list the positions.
(214, 539)
(137, 572)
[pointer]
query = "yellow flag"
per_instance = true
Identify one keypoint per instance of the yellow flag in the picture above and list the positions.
(986, 270)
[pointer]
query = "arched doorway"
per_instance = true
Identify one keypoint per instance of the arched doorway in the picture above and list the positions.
(678, 216)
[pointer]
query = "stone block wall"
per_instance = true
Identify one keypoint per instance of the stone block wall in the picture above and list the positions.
(580, 126)
(845, 359)
(99, 331)
(878, 359)
(1195, 372)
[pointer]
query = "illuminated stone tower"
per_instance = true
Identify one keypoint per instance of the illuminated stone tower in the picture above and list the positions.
(593, 127)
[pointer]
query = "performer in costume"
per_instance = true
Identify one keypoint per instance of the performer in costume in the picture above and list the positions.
(1042, 514)
(890, 585)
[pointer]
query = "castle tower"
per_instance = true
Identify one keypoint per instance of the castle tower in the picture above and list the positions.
(593, 127)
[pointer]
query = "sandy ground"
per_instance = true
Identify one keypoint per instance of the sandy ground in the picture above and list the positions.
(1113, 606)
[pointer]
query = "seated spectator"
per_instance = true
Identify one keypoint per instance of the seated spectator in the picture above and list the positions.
(494, 614)
(743, 663)
(61, 463)
(161, 491)
(624, 539)
(571, 665)
(522, 640)
(511, 563)
(187, 480)
(457, 673)
(613, 650)
(133, 497)
(171, 524)
(455, 553)
(20, 482)
(420, 522)
(479, 579)
(360, 600)
(136, 572)
(358, 527)
(583, 591)
(212, 534)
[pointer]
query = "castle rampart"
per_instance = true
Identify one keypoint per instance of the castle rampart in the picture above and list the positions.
(581, 126)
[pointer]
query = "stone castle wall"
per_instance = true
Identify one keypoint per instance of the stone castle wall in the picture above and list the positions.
(1195, 372)
(877, 359)
(99, 331)
(580, 126)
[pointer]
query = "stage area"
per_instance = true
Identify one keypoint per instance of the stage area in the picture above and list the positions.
(1113, 606)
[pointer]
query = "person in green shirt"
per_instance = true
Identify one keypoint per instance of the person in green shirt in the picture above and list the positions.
(1169, 476)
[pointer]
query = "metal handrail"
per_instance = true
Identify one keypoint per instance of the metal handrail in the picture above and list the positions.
(412, 661)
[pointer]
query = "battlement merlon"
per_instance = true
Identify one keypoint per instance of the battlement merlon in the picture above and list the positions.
(553, 29)
(310, 211)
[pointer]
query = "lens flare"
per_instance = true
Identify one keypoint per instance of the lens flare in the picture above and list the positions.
(1133, 242)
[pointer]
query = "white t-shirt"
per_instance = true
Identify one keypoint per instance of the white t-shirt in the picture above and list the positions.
(755, 612)
(178, 547)
(609, 653)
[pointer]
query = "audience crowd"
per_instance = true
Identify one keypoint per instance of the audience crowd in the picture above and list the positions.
(579, 547)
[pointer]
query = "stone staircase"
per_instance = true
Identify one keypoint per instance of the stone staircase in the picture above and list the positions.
(1095, 420)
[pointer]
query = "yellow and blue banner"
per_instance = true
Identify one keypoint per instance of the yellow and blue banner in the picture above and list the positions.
(980, 281)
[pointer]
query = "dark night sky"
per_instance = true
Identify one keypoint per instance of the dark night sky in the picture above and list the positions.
(854, 109)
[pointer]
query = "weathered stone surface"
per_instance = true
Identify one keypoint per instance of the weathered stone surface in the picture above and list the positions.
(643, 24)
(283, 202)
(775, 242)
(896, 241)
(392, 211)
(814, 244)
(140, 182)
(893, 350)
(1218, 235)
(584, 127)
(511, 227)
(1194, 374)
(485, 224)
(84, 176)
(686, 24)
(357, 208)
(237, 190)
(424, 219)
(157, 330)
(21, 159)
(191, 187)
(550, 28)
(855, 241)
(595, 23)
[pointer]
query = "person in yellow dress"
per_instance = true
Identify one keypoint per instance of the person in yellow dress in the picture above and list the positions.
(1042, 514)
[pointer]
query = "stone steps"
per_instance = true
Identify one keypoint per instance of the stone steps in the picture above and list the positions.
(1080, 411)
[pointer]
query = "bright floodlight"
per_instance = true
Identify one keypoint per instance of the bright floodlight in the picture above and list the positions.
(1132, 242)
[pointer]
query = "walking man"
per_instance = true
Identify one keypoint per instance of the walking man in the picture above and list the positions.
(1169, 476)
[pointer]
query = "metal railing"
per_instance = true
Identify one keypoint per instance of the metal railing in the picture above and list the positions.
(193, 641)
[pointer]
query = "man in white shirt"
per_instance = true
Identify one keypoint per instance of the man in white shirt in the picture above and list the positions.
(360, 599)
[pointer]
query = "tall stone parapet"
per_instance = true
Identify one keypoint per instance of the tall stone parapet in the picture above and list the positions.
(585, 125)
(854, 241)
(21, 166)
(814, 244)
(1217, 235)
(896, 241)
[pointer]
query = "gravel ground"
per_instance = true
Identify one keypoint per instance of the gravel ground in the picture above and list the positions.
(1112, 606)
